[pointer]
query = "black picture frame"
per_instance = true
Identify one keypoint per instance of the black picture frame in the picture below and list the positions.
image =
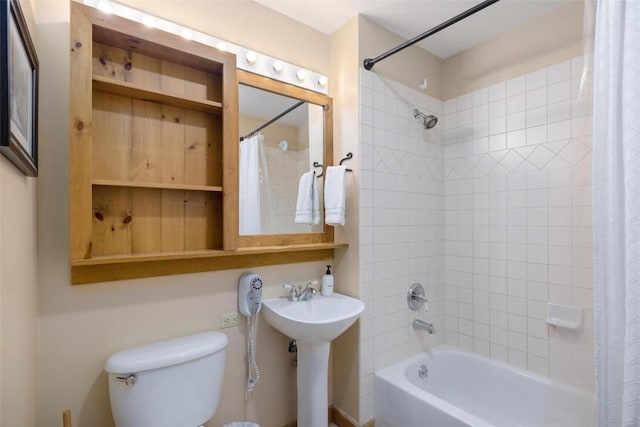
(18, 90)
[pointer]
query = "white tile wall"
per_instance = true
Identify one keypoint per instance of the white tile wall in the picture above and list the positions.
(491, 210)
(517, 191)
(285, 169)
(401, 224)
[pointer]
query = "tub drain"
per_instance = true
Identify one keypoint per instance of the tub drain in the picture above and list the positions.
(423, 372)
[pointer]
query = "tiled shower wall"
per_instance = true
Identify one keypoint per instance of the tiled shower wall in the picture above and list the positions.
(490, 210)
(285, 169)
(401, 225)
(518, 231)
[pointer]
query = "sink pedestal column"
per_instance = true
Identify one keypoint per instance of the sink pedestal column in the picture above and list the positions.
(313, 387)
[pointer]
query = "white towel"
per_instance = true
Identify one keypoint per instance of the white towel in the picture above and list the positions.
(308, 205)
(334, 195)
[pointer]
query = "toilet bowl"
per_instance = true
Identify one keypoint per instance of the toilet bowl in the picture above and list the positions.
(173, 383)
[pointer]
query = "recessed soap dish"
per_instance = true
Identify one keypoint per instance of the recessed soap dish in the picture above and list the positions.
(564, 316)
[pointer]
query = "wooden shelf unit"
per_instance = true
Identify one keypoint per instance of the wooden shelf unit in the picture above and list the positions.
(154, 157)
(153, 144)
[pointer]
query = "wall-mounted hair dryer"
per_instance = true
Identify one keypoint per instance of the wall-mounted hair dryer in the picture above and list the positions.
(249, 304)
(249, 294)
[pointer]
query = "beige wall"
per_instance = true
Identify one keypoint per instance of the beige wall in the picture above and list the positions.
(249, 24)
(409, 66)
(547, 40)
(18, 287)
(344, 90)
(81, 326)
(273, 134)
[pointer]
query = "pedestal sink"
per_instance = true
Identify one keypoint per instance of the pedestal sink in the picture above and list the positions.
(313, 324)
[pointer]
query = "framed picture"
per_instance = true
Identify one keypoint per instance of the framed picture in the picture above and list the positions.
(18, 90)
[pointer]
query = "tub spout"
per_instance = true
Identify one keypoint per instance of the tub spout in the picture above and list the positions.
(419, 325)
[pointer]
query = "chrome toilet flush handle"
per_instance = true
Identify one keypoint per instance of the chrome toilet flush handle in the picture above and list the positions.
(129, 380)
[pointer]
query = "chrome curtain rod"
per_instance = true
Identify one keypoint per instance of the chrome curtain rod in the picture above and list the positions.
(284, 113)
(370, 62)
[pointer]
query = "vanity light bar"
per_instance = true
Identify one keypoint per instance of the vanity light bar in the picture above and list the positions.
(246, 59)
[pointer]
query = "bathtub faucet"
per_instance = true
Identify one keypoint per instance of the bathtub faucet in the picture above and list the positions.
(419, 325)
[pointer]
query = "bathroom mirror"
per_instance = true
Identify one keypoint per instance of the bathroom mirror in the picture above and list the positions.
(284, 131)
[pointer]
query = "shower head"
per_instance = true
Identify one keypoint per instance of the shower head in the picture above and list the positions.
(428, 121)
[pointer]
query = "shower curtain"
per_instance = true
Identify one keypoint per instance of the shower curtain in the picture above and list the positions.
(616, 212)
(254, 186)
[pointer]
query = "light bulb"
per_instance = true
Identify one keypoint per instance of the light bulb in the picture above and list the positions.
(149, 21)
(185, 33)
(278, 66)
(322, 81)
(301, 75)
(105, 7)
(251, 57)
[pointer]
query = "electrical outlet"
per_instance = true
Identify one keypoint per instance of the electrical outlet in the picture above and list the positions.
(230, 319)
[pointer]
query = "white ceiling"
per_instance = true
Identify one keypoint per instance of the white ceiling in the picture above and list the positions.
(409, 18)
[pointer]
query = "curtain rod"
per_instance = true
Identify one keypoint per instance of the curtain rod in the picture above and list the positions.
(370, 62)
(284, 113)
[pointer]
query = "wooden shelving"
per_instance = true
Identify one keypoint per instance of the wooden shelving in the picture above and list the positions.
(113, 183)
(127, 89)
(154, 157)
(108, 268)
(151, 171)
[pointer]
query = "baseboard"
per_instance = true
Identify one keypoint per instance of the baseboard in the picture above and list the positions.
(295, 423)
(370, 423)
(341, 419)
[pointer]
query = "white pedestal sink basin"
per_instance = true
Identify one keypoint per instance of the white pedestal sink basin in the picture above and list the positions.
(313, 324)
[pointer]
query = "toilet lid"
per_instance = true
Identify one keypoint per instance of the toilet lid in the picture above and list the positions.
(166, 353)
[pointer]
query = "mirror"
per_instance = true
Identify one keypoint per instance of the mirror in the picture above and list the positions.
(283, 132)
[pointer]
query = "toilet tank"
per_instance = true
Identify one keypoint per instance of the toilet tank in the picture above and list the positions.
(173, 383)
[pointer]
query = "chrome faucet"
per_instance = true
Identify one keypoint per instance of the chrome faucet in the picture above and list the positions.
(308, 293)
(420, 325)
(299, 294)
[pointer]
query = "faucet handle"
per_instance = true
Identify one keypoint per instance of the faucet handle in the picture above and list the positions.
(308, 292)
(293, 292)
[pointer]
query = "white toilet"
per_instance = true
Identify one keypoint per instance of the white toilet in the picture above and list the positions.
(173, 383)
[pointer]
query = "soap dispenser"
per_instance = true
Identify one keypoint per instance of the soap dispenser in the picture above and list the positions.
(327, 283)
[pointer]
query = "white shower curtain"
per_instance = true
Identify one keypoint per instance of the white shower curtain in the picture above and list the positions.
(616, 212)
(253, 185)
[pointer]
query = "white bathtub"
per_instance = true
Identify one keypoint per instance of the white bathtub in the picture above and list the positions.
(464, 389)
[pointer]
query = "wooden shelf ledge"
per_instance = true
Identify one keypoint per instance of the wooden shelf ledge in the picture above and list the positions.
(161, 186)
(110, 268)
(121, 88)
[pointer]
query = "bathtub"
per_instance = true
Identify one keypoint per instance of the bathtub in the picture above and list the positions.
(459, 389)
